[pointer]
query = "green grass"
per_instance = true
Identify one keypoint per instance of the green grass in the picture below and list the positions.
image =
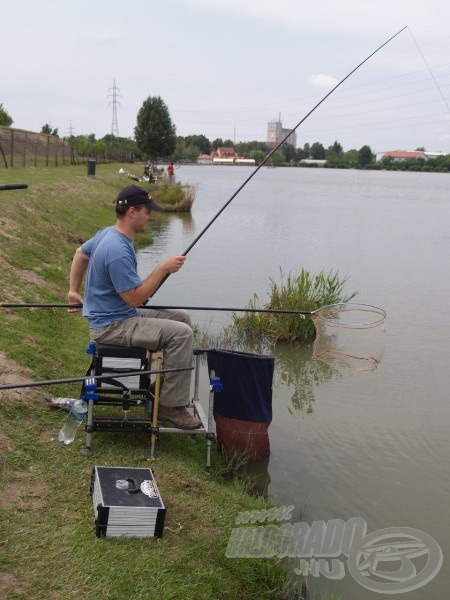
(49, 547)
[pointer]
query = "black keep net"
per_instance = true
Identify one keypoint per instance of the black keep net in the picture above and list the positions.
(247, 384)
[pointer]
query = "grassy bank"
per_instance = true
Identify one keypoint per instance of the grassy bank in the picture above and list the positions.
(46, 519)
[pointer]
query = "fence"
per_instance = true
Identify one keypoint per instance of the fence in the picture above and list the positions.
(20, 148)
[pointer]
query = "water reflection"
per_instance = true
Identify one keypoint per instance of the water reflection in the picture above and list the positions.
(186, 221)
(170, 227)
(296, 369)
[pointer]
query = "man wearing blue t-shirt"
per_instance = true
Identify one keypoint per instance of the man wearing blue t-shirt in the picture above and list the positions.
(114, 292)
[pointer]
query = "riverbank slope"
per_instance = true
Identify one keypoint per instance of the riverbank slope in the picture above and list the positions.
(47, 522)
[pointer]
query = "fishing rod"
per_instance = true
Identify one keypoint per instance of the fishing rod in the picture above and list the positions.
(10, 386)
(13, 186)
(241, 187)
(152, 306)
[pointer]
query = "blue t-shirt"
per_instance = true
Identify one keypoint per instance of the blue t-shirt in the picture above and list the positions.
(112, 269)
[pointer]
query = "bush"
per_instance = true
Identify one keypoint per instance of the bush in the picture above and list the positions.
(296, 292)
(174, 197)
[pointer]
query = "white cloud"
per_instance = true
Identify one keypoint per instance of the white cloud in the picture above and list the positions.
(323, 81)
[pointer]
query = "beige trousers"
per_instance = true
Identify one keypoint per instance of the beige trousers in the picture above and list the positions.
(165, 329)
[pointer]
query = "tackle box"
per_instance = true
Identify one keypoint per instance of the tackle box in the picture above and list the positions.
(126, 502)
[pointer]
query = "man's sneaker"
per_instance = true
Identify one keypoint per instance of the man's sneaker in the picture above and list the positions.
(178, 416)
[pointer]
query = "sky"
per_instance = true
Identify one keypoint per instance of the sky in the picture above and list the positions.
(225, 68)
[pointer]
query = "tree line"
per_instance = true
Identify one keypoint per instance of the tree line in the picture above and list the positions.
(155, 139)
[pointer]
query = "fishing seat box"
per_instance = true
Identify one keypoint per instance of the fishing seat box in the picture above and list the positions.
(113, 360)
(126, 502)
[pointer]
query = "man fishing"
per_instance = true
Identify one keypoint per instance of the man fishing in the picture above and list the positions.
(114, 291)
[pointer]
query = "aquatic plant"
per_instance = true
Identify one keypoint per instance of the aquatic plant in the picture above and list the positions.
(174, 197)
(296, 291)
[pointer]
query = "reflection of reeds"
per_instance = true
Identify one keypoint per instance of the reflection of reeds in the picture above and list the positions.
(251, 476)
(295, 366)
(297, 370)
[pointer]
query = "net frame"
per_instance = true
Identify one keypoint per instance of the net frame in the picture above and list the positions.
(341, 342)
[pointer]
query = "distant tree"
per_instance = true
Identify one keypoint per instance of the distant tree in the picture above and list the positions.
(257, 155)
(365, 156)
(5, 118)
(276, 159)
(217, 143)
(185, 150)
(334, 150)
(201, 141)
(289, 152)
(48, 130)
(351, 157)
(243, 148)
(228, 143)
(317, 151)
(301, 153)
(154, 132)
(120, 144)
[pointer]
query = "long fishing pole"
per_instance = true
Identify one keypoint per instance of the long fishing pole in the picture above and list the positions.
(10, 386)
(152, 306)
(241, 187)
(205, 229)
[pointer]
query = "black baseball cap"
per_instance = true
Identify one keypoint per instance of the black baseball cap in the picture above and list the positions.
(133, 195)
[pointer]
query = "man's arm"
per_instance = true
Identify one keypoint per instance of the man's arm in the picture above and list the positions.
(137, 296)
(77, 271)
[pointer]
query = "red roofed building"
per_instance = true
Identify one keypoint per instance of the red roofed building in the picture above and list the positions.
(398, 155)
(225, 155)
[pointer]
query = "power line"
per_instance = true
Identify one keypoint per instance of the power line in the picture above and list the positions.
(114, 102)
(431, 72)
(70, 129)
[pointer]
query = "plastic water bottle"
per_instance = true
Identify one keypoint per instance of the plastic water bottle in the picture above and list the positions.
(74, 419)
(63, 403)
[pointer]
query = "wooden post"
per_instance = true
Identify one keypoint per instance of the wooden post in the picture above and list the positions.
(47, 151)
(3, 154)
(36, 150)
(24, 155)
(12, 148)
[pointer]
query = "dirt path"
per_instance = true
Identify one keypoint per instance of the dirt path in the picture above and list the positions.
(10, 373)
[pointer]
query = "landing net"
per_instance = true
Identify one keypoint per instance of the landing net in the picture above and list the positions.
(349, 335)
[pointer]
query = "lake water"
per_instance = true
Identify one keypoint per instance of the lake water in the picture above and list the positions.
(373, 445)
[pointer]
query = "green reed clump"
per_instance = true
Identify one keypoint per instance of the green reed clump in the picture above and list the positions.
(175, 197)
(297, 291)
